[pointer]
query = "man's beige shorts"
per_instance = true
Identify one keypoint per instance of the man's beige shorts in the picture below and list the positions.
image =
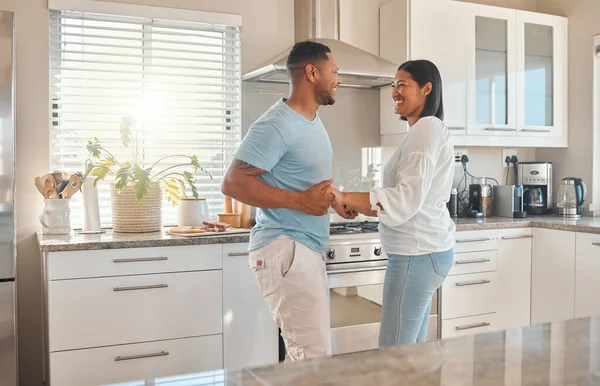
(293, 280)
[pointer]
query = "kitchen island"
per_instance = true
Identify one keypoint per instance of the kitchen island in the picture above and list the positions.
(565, 353)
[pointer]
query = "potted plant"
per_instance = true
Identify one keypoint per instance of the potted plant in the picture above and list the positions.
(136, 193)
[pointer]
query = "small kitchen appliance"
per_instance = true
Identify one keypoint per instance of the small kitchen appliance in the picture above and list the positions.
(480, 199)
(536, 179)
(508, 201)
(571, 195)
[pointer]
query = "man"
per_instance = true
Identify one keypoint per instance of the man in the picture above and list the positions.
(283, 167)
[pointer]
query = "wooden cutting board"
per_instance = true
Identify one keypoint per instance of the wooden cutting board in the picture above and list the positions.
(199, 231)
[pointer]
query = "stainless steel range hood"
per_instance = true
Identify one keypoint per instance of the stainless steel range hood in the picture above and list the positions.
(318, 20)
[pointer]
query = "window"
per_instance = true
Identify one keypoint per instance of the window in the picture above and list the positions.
(179, 80)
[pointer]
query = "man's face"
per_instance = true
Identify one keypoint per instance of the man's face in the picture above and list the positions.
(327, 82)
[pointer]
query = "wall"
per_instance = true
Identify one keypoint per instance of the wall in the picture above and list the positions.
(583, 25)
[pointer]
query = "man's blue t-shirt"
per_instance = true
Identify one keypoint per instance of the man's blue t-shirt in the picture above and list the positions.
(296, 153)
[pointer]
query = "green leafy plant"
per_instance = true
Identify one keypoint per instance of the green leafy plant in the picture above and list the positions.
(173, 179)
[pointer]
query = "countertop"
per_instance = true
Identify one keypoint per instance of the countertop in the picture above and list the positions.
(566, 353)
(110, 240)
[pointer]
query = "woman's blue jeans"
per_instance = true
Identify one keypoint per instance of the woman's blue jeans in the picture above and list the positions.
(410, 282)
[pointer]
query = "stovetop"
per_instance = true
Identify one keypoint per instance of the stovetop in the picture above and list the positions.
(348, 228)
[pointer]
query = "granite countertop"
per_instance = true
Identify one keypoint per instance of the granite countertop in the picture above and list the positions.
(110, 240)
(566, 353)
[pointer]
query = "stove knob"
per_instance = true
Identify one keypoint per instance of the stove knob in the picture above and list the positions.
(331, 254)
(377, 252)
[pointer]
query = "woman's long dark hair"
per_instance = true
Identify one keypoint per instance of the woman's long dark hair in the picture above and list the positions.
(423, 71)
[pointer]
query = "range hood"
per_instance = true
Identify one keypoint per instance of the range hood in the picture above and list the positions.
(318, 20)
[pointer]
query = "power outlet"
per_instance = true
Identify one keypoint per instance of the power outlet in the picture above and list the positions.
(458, 153)
(507, 153)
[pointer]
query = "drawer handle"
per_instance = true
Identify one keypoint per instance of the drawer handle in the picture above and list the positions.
(472, 241)
(140, 287)
(536, 130)
(499, 129)
(141, 259)
(141, 356)
(457, 128)
(471, 326)
(459, 262)
(517, 237)
(596, 244)
(475, 282)
(237, 254)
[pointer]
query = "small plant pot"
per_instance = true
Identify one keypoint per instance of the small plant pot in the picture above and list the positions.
(131, 217)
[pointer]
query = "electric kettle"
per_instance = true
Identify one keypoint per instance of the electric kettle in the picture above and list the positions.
(571, 195)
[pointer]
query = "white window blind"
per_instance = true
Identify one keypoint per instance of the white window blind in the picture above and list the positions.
(179, 80)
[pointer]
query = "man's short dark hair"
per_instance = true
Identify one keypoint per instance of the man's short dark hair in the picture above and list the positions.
(306, 52)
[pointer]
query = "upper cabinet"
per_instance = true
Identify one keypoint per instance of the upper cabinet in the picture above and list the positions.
(491, 71)
(504, 71)
(542, 74)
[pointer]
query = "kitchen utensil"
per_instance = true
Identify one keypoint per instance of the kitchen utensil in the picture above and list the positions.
(233, 219)
(59, 176)
(73, 186)
(61, 186)
(192, 212)
(49, 186)
(571, 195)
(39, 184)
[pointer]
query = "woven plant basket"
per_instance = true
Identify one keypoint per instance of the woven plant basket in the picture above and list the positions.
(129, 217)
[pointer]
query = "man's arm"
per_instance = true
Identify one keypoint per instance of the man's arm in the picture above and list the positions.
(241, 183)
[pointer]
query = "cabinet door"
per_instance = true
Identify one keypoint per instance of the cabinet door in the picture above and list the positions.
(393, 46)
(514, 269)
(447, 50)
(587, 275)
(542, 73)
(250, 336)
(491, 71)
(552, 276)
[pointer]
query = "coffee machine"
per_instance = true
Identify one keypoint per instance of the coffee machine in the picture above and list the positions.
(536, 178)
(480, 198)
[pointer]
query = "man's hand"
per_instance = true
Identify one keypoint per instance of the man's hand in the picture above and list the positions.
(316, 200)
(339, 204)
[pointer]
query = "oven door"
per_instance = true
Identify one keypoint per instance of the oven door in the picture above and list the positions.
(356, 293)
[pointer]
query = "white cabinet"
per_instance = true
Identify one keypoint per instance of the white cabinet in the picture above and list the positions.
(514, 268)
(250, 336)
(124, 314)
(504, 71)
(553, 276)
(491, 71)
(446, 46)
(542, 66)
(587, 273)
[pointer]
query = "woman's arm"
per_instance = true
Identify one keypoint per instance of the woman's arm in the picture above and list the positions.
(357, 202)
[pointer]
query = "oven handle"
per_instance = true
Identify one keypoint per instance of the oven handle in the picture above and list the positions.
(354, 270)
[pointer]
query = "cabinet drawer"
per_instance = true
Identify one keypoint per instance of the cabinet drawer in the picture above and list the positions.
(131, 309)
(474, 241)
(470, 325)
(133, 261)
(474, 262)
(99, 366)
(467, 295)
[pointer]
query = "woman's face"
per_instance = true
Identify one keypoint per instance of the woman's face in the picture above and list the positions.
(409, 97)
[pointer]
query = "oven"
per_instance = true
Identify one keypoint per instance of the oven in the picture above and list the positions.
(356, 267)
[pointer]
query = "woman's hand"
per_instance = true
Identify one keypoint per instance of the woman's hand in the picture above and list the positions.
(339, 204)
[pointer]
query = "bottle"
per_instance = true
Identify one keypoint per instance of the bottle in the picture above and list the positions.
(453, 203)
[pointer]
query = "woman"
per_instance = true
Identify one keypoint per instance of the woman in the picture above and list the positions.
(416, 230)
